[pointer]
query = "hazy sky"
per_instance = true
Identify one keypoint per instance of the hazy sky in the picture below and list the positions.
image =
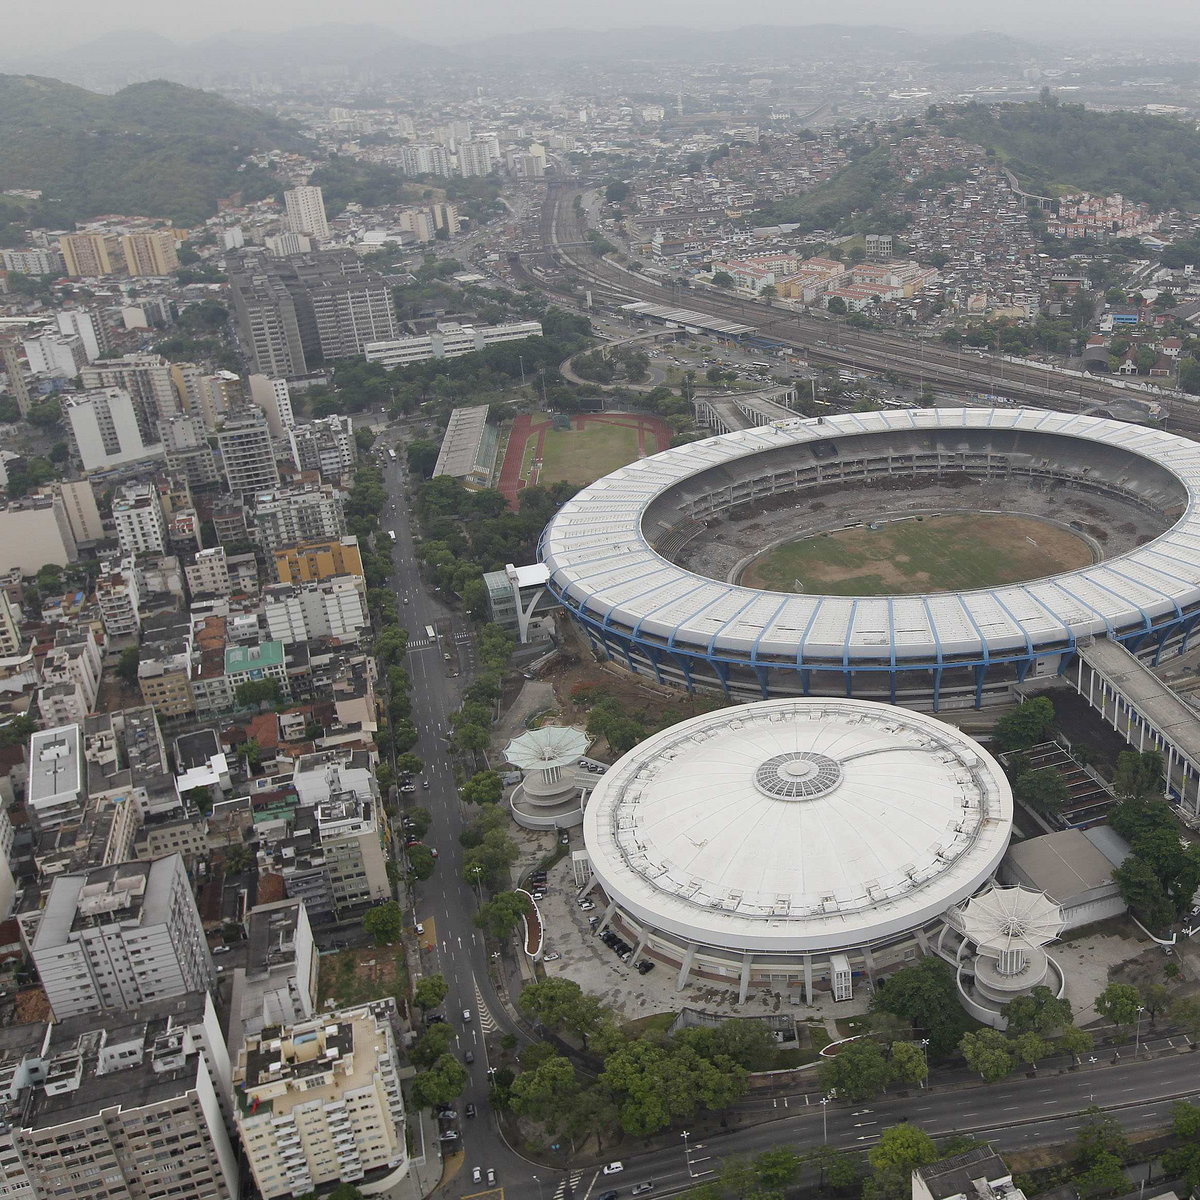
(76, 20)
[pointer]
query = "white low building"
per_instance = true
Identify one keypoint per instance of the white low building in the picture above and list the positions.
(448, 340)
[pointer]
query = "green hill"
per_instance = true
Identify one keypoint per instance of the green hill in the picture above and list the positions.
(862, 187)
(1048, 146)
(154, 149)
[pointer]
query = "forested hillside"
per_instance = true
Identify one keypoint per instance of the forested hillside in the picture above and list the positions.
(153, 149)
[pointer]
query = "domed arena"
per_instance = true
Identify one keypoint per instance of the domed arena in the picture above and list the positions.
(795, 843)
(926, 557)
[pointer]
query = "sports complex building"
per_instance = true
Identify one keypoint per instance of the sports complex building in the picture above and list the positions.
(794, 844)
(650, 559)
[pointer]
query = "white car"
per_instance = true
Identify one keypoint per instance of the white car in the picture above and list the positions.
(613, 1168)
(476, 1174)
(467, 1016)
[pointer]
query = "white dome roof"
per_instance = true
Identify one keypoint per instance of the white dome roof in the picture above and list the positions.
(798, 824)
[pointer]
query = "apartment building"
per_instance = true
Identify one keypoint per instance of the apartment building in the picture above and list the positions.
(119, 1105)
(247, 456)
(119, 594)
(309, 562)
(268, 323)
(12, 645)
(275, 400)
(83, 514)
(208, 573)
(57, 783)
(157, 387)
(88, 327)
(253, 664)
(107, 429)
(87, 255)
(302, 513)
(185, 444)
(330, 608)
(150, 252)
(138, 516)
(57, 354)
(325, 445)
(305, 207)
(117, 936)
(319, 1101)
(33, 262)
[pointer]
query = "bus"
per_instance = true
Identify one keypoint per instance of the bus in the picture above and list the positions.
(430, 633)
(392, 453)
(392, 534)
(761, 366)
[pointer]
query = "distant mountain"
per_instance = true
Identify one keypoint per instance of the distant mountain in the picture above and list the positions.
(772, 43)
(120, 57)
(153, 149)
(982, 49)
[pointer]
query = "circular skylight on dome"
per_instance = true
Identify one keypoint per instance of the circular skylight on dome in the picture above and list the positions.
(800, 775)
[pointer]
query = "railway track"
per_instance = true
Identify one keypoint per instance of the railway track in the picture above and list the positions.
(564, 228)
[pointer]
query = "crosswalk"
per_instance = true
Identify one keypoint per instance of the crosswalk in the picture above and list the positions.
(561, 1190)
(419, 643)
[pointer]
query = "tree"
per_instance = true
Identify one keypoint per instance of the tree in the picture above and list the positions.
(384, 922)
(722, 279)
(859, 1071)
(839, 1170)
(1185, 1011)
(545, 1093)
(421, 861)
(502, 914)
(836, 305)
(1184, 1159)
(127, 666)
(562, 1004)
(1029, 1047)
(257, 692)
(1119, 1003)
(484, 787)
(1076, 1042)
(440, 1084)
(902, 1147)
(908, 1063)
(617, 192)
(417, 822)
(1039, 1011)
(769, 292)
(1104, 1176)
(1100, 1134)
(926, 994)
(432, 1044)
(778, 1167)
(986, 1052)
(410, 764)
(1029, 723)
(1043, 790)
(1155, 998)
(430, 991)
(1139, 776)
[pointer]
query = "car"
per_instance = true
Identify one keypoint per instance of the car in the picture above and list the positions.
(587, 905)
(425, 783)
(451, 1135)
(476, 1175)
(607, 1196)
(420, 929)
(538, 895)
(626, 955)
(564, 838)
(644, 966)
(447, 1114)
(469, 1057)
(467, 1015)
(435, 1019)
(593, 921)
(491, 1177)
(470, 1110)
(613, 1168)
(640, 1189)
(552, 957)
(222, 949)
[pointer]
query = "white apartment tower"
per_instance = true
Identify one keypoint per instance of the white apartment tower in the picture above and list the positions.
(275, 400)
(246, 453)
(106, 430)
(306, 212)
(117, 936)
(138, 516)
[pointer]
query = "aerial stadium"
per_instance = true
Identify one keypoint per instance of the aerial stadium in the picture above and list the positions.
(760, 845)
(928, 557)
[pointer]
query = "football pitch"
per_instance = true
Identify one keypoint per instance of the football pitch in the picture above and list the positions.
(950, 553)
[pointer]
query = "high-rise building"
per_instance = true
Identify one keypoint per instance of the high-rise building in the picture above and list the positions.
(309, 562)
(247, 455)
(138, 517)
(320, 1101)
(15, 376)
(326, 445)
(119, 1105)
(11, 643)
(118, 936)
(189, 456)
(35, 531)
(283, 245)
(480, 156)
(119, 593)
(55, 354)
(92, 254)
(106, 430)
(208, 573)
(218, 394)
(148, 378)
(332, 608)
(275, 400)
(425, 158)
(88, 327)
(33, 262)
(83, 513)
(57, 784)
(150, 252)
(306, 212)
(303, 513)
(268, 323)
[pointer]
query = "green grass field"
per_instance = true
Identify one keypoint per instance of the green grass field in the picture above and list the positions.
(937, 554)
(581, 456)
